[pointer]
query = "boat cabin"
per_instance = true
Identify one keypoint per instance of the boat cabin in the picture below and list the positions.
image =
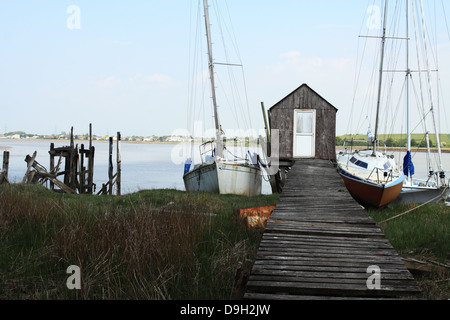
(307, 126)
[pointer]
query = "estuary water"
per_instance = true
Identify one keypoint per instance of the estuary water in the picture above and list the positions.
(144, 165)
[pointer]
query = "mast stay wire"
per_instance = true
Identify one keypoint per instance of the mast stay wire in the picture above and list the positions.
(236, 97)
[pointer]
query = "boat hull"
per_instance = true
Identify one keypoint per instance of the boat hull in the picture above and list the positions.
(371, 195)
(422, 195)
(225, 178)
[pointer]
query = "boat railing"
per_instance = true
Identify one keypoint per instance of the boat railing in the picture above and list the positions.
(387, 175)
(207, 151)
(358, 143)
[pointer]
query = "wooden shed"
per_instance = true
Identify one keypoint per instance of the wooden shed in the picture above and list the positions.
(307, 124)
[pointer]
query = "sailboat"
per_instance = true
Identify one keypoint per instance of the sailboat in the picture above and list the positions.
(372, 177)
(434, 188)
(218, 172)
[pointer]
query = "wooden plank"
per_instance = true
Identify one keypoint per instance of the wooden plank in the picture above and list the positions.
(294, 275)
(287, 297)
(319, 243)
(30, 163)
(341, 289)
(293, 240)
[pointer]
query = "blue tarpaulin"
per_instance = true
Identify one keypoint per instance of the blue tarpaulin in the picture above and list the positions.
(187, 165)
(408, 166)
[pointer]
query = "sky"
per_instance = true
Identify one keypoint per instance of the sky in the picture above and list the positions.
(125, 65)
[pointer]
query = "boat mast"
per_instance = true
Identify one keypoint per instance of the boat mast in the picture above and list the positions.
(383, 42)
(408, 76)
(219, 146)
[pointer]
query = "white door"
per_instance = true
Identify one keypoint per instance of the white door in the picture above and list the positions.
(304, 133)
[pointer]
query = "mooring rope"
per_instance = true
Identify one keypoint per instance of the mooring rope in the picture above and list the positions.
(408, 211)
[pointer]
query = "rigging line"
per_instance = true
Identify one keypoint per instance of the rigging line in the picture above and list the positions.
(193, 43)
(370, 87)
(233, 83)
(236, 48)
(445, 18)
(368, 98)
(358, 73)
(415, 208)
(358, 69)
(189, 98)
(416, 31)
(227, 100)
(429, 84)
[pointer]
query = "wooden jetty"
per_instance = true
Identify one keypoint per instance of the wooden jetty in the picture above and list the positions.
(320, 244)
(78, 173)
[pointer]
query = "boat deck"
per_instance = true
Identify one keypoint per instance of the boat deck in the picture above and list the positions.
(320, 244)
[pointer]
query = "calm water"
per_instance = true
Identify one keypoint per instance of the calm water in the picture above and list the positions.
(144, 166)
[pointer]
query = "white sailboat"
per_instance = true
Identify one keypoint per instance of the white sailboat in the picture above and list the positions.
(434, 187)
(217, 172)
(372, 177)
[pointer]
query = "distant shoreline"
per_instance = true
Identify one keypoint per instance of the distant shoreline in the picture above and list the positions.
(229, 142)
(395, 149)
(338, 148)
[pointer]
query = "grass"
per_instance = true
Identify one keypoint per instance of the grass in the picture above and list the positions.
(166, 244)
(156, 244)
(422, 234)
(400, 139)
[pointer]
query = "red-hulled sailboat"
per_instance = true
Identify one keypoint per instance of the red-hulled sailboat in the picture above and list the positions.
(372, 177)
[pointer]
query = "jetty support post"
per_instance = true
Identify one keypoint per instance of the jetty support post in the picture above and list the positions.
(90, 173)
(90, 186)
(110, 166)
(119, 166)
(52, 163)
(82, 173)
(5, 168)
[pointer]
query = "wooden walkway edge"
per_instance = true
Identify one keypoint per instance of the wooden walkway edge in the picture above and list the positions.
(319, 243)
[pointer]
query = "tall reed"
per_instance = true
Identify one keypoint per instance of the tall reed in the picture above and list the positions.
(158, 244)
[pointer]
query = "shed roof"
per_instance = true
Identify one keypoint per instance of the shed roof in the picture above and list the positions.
(303, 86)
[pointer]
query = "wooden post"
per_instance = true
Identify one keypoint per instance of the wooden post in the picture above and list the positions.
(26, 177)
(4, 173)
(82, 173)
(71, 138)
(52, 163)
(110, 168)
(119, 165)
(91, 170)
(74, 168)
(90, 136)
(90, 186)
(266, 126)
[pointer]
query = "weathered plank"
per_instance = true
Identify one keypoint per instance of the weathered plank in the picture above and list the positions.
(320, 244)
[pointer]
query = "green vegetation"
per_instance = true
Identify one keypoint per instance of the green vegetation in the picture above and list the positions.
(398, 140)
(155, 244)
(166, 244)
(422, 234)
